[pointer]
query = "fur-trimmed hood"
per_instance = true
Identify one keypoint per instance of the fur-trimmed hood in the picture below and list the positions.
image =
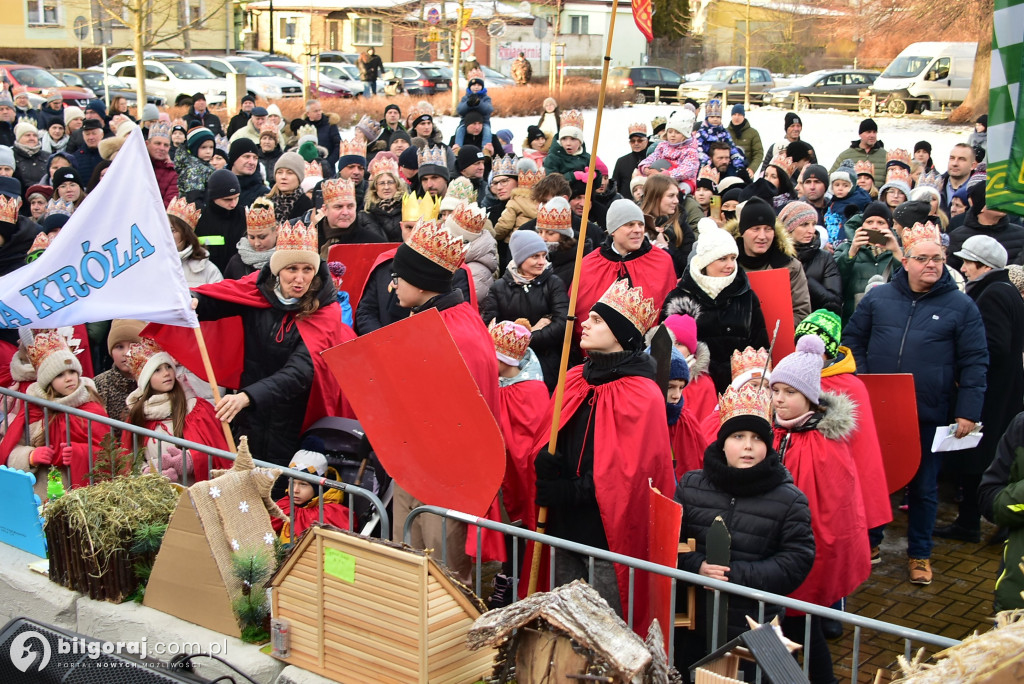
(701, 362)
(840, 416)
(702, 354)
(783, 241)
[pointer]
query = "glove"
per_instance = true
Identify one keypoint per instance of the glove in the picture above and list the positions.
(65, 454)
(41, 456)
(171, 463)
(555, 492)
(547, 465)
(473, 100)
(171, 474)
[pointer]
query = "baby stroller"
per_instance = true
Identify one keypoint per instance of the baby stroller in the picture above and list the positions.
(348, 451)
(392, 84)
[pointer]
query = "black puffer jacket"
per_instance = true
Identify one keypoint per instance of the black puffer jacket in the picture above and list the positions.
(543, 297)
(252, 187)
(1009, 235)
(16, 246)
(378, 305)
(824, 283)
(219, 230)
(731, 321)
(268, 160)
(384, 218)
(30, 168)
(278, 371)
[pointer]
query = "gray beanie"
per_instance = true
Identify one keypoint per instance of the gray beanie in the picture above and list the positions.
(6, 156)
(621, 212)
(524, 244)
(149, 113)
(293, 162)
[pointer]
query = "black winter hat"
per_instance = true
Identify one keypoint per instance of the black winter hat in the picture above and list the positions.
(733, 194)
(92, 125)
(54, 222)
(393, 106)
(976, 196)
(468, 155)
(400, 135)
(877, 209)
(792, 118)
(65, 174)
(756, 212)
(534, 132)
(472, 117)
(817, 171)
(923, 145)
(222, 183)
(914, 211)
(746, 422)
(798, 150)
(983, 120)
(628, 335)
(248, 98)
(867, 125)
(419, 271)
(240, 147)
(408, 158)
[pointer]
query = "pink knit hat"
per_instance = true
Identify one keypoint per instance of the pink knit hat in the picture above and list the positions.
(684, 328)
(801, 370)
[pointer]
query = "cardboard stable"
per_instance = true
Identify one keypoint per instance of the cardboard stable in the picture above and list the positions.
(369, 612)
(22, 527)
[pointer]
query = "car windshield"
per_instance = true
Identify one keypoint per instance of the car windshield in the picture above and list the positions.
(717, 74)
(432, 72)
(491, 73)
(70, 79)
(810, 79)
(906, 67)
(351, 70)
(35, 78)
(187, 71)
(251, 67)
(334, 71)
(94, 80)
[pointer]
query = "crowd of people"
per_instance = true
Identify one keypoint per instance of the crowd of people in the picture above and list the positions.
(891, 267)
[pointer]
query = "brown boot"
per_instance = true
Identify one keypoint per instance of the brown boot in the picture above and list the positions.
(920, 570)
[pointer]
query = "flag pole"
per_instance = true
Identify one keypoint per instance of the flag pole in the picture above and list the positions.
(208, 367)
(542, 513)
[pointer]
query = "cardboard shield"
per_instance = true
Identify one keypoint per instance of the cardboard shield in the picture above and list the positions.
(665, 521)
(358, 260)
(895, 407)
(423, 413)
(772, 288)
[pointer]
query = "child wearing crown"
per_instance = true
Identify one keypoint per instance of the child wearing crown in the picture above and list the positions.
(744, 481)
(476, 100)
(165, 403)
(569, 152)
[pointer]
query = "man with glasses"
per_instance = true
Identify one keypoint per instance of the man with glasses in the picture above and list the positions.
(920, 323)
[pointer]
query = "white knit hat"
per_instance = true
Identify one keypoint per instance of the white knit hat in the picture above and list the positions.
(144, 357)
(713, 243)
(22, 128)
(309, 461)
(51, 356)
(682, 121)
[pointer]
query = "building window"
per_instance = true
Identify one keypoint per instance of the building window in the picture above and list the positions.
(579, 25)
(189, 12)
(368, 31)
(42, 13)
(288, 29)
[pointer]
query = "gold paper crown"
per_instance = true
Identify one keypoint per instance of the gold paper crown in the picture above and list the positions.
(381, 165)
(553, 219)
(713, 108)
(782, 161)
(469, 217)
(475, 73)
(711, 173)
(355, 147)
(420, 109)
(314, 169)
(898, 174)
(527, 179)
(511, 339)
(19, 90)
(746, 401)
(574, 118)
(297, 237)
(638, 128)
(414, 209)
(335, 189)
(41, 242)
(631, 303)
(461, 189)
(186, 211)
(750, 359)
(160, 129)
(920, 234)
(658, 121)
(431, 240)
(270, 127)
(8, 209)
(59, 207)
(369, 127)
(504, 166)
(306, 129)
(44, 344)
(864, 168)
(138, 355)
(898, 156)
(932, 179)
(261, 216)
(434, 156)
(50, 93)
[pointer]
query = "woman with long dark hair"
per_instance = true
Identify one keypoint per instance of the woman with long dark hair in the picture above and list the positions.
(670, 231)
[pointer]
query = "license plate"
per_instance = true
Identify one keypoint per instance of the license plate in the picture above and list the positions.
(441, 86)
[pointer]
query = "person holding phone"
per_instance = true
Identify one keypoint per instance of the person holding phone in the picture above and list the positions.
(871, 249)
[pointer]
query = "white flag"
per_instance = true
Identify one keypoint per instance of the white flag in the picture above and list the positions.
(115, 258)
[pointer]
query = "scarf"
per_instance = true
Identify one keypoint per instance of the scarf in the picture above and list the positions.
(284, 202)
(758, 262)
(250, 257)
(673, 411)
(793, 423)
(80, 396)
(287, 301)
(28, 151)
(387, 207)
(712, 285)
(753, 481)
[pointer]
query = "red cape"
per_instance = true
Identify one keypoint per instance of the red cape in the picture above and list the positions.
(700, 397)
(823, 470)
(687, 443)
(653, 272)
(865, 448)
(388, 255)
(201, 427)
(7, 352)
(334, 514)
(80, 445)
(630, 447)
(225, 341)
(523, 407)
(15, 434)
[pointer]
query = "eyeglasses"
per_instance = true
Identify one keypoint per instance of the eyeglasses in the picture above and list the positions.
(924, 260)
(385, 183)
(394, 279)
(498, 182)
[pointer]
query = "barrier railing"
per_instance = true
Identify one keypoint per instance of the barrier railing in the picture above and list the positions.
(319, 483)
(763, 598)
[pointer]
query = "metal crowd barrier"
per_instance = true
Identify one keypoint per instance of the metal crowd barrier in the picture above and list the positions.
(908, 635)
(321, 483)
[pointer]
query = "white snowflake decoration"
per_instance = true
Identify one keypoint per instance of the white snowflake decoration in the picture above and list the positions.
(243, 506)
(268, 538)
(214, 492)
(235, 545)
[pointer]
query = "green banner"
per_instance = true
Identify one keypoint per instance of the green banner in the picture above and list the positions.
(1005, 190)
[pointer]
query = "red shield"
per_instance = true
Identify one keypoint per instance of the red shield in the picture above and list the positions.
(895, 407)
(421, 409)
(772, 288)
(665, 520)
(358, 260)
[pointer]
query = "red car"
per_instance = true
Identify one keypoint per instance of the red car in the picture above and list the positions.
(37, 79)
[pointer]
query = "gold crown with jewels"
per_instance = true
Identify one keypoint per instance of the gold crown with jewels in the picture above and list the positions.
(746, 401)
(511, 340)
(629, 301)
(186, 211)
(750, 359)
(335, 189)
(297, 237)
(431, 240)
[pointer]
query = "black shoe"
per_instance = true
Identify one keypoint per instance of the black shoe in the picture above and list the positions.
(832, 629)
(998, 537)
(956, 531)
(502, 595)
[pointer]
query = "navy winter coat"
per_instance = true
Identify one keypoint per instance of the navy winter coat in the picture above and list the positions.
(938, 337)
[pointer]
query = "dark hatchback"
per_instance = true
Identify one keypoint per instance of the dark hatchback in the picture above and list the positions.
(647, 83)
(836, 88)
(93, 80)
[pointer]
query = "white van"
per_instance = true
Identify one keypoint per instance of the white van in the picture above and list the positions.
(927, 75)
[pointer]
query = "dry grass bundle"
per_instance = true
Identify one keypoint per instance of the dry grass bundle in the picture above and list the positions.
(979, 658)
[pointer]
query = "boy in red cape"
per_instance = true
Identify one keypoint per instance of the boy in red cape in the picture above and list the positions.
(612, 441)
(310, 458)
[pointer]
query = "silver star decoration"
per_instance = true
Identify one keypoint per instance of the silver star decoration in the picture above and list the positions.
(235, 545)
(214, 492)
(268, 538)
(243, 506)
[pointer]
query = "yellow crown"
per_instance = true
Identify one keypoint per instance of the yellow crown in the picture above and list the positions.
(314, 169)
(59, 206)
(8, 209)
(658, 121)
(896, 173)
(433, 156)
(750, 359)
(260, 216)
(186, 211)
(898, 156)
(44, 344)
(574, 118)
(297, 237)
(431, 240)
(631, 303)
(355, 147)
(461, 189)
(504, 166)
(920, 233)
(553, 219)
(746, 401)
(638, 128)
(864, 168)
(711, 173)
(425, 208)
(306, 129)
(381, 164)
(41, 242)
(338, 189)
(469, 217)
(511, 340)
(932, 179)
(138, 355)
(527, 179)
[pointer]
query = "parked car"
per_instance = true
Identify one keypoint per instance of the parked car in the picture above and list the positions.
(129, 56)
(647, 83)
(94, 81)
(348, 74)
(259, 80)
(334, 57)
(421, 79)
(175, 80)
(727, 81)
(928, 75)
(838, 88)
(37, 79)
(264, 57)
(492, 78)
(320, 85)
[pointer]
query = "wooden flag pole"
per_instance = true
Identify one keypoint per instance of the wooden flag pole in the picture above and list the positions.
(542, 513)
(201, 341)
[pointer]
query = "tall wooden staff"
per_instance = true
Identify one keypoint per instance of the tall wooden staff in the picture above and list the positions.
(201, 341)
(542, 513)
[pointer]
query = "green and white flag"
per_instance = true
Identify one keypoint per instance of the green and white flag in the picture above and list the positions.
(1005, 190)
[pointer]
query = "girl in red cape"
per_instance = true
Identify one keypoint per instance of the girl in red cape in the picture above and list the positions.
(15, 448)
(612, 441)
(812, 432)
(165, 403)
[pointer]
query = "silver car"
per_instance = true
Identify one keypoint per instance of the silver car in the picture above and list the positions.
(259, 80)
(727, 81)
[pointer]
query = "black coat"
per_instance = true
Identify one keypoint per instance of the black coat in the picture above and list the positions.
(237, 122)
(268, 160)
(1009, 235)
(329, 137)
(378, 305)
(15, 248)
(356, 234)
(680, 253)
(731, 321)
(278, 370)
(824, 283)
(622, 174)
(252, 187)
(600, 201)
(387, 222)
(6, 134)
(543, 297)
(29, 169)
(222, 229)
(207, 118)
